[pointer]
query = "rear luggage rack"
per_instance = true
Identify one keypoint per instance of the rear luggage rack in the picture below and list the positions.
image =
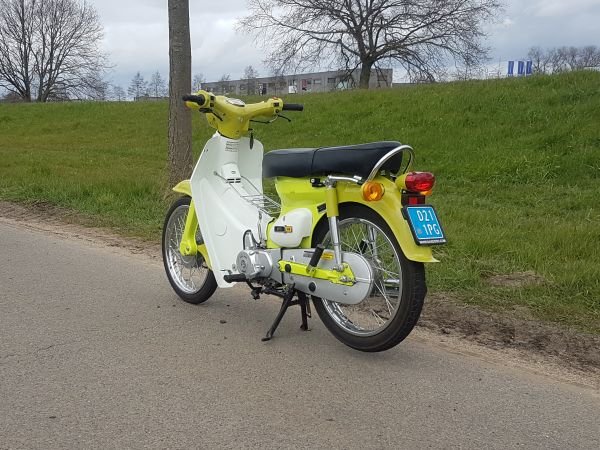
(402, 148)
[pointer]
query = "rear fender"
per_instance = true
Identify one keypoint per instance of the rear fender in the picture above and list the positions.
(390, 209)
(299, 193)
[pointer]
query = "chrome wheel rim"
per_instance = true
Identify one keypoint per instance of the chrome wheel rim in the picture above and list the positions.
(375, 313)
(187, 272)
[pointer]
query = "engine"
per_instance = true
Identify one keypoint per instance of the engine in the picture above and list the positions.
(260, 264)
(255, 263)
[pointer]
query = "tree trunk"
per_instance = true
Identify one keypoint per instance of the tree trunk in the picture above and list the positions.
(26, 96)
(365, 75)
(180, 83)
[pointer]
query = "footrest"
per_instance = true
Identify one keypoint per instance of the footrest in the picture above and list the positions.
(235, 278)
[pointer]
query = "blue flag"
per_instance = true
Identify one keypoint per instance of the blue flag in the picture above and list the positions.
(511, 68)
(521, 68)
(528, 68)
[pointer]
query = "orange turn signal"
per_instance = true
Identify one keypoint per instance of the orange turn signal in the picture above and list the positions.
(372, 191)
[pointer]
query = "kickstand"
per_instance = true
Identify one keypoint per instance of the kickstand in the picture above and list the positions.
(304, 310)
(287, 302)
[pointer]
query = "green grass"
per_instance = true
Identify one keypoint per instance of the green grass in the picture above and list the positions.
(517, 164)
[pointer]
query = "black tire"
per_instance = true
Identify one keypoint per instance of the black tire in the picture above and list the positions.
(410, 302)
(207, 286)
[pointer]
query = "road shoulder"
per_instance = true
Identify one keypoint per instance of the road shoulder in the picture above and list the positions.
(539, 348)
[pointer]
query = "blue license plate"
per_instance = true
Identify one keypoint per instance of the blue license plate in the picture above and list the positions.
(424, 224)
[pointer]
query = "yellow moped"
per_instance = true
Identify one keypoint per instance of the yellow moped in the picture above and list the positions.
(352, 232)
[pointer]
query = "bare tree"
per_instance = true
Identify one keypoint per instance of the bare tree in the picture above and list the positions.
(589, 56)
(540, 60)
(180, 81)
(578, 58)
(250, 76)
(556, 63)
(16, 47)
(421, 35)
(197, 82)
(118, 94)
(50, 48)
(138, 86)
(102, 90)
(563, 59)
(467, 71)
(569, 56)
(157, 85)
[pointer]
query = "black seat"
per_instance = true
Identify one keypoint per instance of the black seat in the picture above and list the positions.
(346, 160)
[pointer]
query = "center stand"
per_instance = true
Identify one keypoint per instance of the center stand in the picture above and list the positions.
(288, 300)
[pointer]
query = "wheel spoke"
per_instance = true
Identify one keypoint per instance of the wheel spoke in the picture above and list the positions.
(376, 312)
(387, 301)
(377, 317)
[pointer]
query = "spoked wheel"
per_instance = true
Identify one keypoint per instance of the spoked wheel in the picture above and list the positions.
(189, 276)
(390, 313)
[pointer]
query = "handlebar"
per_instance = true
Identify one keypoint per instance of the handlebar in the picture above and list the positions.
(292, 107)
(199, 99)
(232, 117)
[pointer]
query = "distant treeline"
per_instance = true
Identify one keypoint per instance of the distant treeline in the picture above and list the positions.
(563, 59)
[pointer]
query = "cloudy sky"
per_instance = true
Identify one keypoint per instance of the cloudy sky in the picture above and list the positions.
(136, 34)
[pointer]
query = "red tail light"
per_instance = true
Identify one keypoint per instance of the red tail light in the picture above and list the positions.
(419, 181)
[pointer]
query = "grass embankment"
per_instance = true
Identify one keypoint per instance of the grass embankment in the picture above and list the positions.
(517, 163)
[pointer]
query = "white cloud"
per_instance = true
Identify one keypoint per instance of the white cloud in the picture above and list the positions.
(563, 8)
(547, 23)
(501, 24)
(508, 22)
(136, 34)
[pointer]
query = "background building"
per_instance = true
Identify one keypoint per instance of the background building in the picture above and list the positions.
(298, 83)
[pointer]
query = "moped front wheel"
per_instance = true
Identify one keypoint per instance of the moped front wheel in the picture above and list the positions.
(392, 309)
(189, 276)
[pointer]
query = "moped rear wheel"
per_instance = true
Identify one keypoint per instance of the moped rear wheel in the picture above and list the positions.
(189, 276)
(391, 311)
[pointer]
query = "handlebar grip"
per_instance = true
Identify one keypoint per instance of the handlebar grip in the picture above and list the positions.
(292, 107)
(199, 99)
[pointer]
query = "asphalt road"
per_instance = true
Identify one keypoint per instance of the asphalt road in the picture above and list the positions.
(96, 351)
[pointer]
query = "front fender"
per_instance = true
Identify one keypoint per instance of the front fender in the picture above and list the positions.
(184, 187)
(390, 209)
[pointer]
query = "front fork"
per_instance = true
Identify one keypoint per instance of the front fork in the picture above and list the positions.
(189, 246)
